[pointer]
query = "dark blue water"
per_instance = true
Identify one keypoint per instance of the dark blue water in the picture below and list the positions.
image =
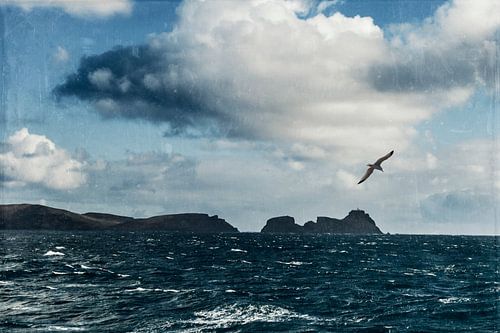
(160, 282)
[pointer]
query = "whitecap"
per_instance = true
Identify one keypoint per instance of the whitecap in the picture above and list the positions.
(65, 328)
(233, 315)
(238, 250)
(452, 299)
(294, 263)
(169, 258)
(59, 273)
(60, 248)
(123, 275)
(51, 288)
(171, 291)
(230, 291)
(53, 253)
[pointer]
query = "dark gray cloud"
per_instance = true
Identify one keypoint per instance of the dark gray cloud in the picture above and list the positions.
(139, 82)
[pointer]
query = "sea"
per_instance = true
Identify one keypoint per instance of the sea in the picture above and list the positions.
(247, 282)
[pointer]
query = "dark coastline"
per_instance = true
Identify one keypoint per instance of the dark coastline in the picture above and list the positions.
(39, 217)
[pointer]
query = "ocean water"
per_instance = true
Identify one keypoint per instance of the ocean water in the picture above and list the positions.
(161, 282)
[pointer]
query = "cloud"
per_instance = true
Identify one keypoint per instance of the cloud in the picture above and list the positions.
(148, 178)
(61, 54)
(85, 8)
(130, 82)
(334, 83)
(33, 159)
(459, 207)
(453, 48)
(220, 69)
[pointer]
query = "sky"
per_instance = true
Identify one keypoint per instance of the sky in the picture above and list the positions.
(254, 109)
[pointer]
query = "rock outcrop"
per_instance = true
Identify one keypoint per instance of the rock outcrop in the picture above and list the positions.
(282, 224)
(357, 222)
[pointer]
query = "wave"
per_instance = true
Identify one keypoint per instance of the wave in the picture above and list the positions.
(294, 263)
(238, 250)
(53, 253)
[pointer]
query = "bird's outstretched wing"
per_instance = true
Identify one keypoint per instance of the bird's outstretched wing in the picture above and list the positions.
(368, 172)
(383, 158)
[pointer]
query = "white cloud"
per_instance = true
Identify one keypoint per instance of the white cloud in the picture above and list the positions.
(303, 89)
(82, 8)
(61, 54)
(348, 180)
(453, 48)
(309, 88)
(334, 82)
(31, 158)
(470, 20)
(101, 78)
(324, 5)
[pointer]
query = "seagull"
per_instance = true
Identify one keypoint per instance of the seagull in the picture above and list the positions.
(374, 166)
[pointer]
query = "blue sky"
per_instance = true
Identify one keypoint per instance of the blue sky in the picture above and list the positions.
(255, 109)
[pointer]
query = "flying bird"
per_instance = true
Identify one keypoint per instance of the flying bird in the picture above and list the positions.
(376, 165)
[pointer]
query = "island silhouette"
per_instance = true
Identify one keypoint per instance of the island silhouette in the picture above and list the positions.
(40, 217)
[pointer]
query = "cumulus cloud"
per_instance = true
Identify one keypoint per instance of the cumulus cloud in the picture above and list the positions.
(334, 83)
(34, 159)
(85, 8)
